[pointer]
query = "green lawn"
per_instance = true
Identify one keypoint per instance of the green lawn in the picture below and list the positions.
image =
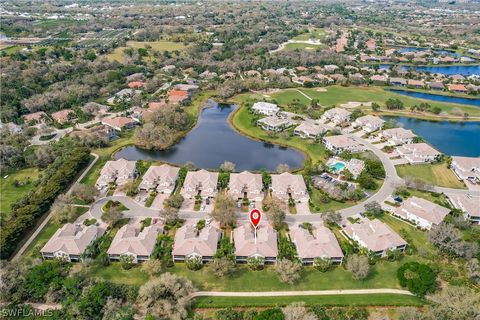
(10, 193)
(432, 174)
(120, 56)
(315, 33)
(319, 206)
(115, 273)
(302, 46)
(332, 300)
(241, 120)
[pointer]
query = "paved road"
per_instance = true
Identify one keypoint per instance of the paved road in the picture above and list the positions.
(298, 293)
(19, 253)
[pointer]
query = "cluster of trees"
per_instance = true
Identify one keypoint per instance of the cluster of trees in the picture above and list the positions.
(25, 212)
(447, 239)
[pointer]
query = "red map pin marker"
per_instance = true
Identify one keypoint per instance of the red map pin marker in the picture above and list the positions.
(255, 217)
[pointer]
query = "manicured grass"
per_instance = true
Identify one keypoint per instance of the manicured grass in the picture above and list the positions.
(302, 46)
(120, 56)
(319, 206)
(242, 121)
(115, 273)
(312, 34)
(331, 300)
(433, 174)
(10, 193)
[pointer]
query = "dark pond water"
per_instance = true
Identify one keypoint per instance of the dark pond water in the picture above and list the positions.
(451, 138)
(214, 141)
(447, 70)
(438, 97)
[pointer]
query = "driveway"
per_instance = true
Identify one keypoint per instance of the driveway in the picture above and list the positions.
(302, 208)
(397, 162)
(158, 201)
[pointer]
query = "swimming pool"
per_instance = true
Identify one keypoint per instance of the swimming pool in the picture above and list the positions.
(337, 167)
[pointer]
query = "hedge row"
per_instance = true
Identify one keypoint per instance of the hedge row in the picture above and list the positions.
(25, 212)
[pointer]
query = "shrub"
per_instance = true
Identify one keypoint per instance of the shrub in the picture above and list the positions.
(322, 264)
(194, 263)
(127, 261)
(417, 277)
(256, 263)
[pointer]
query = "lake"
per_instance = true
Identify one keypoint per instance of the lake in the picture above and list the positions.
(451, 138)
(438, 97)
(447, 70)
(214, 141)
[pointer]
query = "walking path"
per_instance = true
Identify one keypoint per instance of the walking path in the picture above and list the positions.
(19, 253)
(298, 293)
(304, 94)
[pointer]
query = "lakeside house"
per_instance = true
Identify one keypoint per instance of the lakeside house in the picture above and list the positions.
(161, 178)
(436, 85)
(35, 117)
(191, 243)
(466, 168)
(377, 78)
(457, 88)
(120, 123)
(369, 123)
(101, 132)
(319, 243)
(468, 204)
(375, 236)
(131, 241)
(398, 136)
(200, 183)
(398, 82)
(70, 241)
(178, 96)
(336, 116)
(340, 143)
(419, 84)
(418, 153)
(265, 108)
(116, 171)
(310, 129)
(287, 185)
(63, 116)
(264, 246)
(423, 213)
(274, 123)
(246, 185)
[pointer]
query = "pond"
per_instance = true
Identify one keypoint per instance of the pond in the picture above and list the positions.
(214, 141)
(447, 70)
(451, 138)
(438, 97)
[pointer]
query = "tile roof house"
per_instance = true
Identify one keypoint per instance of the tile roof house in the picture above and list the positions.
(369, 123)
(398, 82)
(469, 204)
(340, 143)
(246, 184)
(63, 116)
(95, 108)
(310, 129)
(322, 243)
(274, 123)
(202, 182)
(268, 109)
(38, 116)
(423, 213)
(246, 246)
(178, 96)
(70, 241)
(375, 236)
(288, 185)
(162, 178)
(123, 95)
(466, 168)
(416, 83)
(120, 123)
(436, 85)
(379, 78)
(458, 88)
(189, 242)
(336, 115)
(136, 84)
(397, 136)
(130, 240)
(418, 153)
(118, 172)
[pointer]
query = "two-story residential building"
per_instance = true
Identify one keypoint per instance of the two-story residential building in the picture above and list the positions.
(120, 123)
(336, 116)
(466, 168)
(162, 178)
(191, 243)
(116, 171)
(398, 136)
(201, 182)
(264, 245)
(70, 241)
(423, 213)
(266, 108)
(320, 243)
(418, 153)
(246, 185)
(287, 185)
(340, 143)
(131, 241)
(375, 236)
(369, 123)
(274, 123)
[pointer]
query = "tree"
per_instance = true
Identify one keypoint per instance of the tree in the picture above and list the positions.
(222, 266)
(332, 217)
(374, 208)
(297, 311)
(62, 211)
(322, 264)
(473, 269)
(227, 166)
(358, 266)
(126, 261)
(446, 238)
(455, 303)
(167, 296)
(228, 314)
(394, 104)
(112, 215)
(194, 262)
(84, 192)
(115, 310)
(224, 211)
(256, 263)
(281, 168)
(153, 267)
(275, 213)
(418, 278)
(288, 270)
(174, 201)
(130, 187)
(410, 313)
